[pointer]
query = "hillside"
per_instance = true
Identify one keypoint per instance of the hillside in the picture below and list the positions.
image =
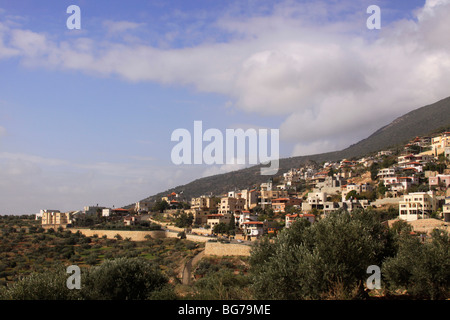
(419, 122)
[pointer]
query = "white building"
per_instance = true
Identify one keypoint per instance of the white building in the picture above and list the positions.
(446, 209)
(247, 216)
(315, 200)
(417, 205)
(253, 229)
(290, 218)
(92, 210)
(215, 219)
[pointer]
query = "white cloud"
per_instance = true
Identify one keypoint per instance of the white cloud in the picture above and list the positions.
(115, 27)
(333, 86)
(29, 183)
(333, 83)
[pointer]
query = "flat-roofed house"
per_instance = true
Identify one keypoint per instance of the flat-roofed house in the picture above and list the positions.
(417, 205)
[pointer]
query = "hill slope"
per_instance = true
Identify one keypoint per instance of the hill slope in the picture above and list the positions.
(419, 122)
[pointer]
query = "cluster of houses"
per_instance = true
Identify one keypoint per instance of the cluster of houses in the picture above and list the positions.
(314, 190)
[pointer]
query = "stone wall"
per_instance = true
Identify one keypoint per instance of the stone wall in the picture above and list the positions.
(226, 249)
(137, 235)
(133, 235)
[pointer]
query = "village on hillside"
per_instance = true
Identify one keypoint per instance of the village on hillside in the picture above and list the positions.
(409, 184)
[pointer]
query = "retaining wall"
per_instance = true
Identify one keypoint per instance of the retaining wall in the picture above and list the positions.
(226, 249)
(133, 235)
(137, 235)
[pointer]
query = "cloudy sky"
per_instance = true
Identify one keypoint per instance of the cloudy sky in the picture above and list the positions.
(86, 116)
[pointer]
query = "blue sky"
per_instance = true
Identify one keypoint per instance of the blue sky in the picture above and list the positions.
(86, 115)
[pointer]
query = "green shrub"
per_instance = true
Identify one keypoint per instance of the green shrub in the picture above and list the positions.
(423, 269)
(123, 279)
(309, 261)
(40, 286)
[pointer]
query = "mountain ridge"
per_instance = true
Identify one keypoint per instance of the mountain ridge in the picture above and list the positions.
(418, 122)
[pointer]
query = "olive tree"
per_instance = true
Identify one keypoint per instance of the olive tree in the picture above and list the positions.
(319, 260)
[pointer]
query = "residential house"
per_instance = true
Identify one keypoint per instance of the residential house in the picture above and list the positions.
(413, 165)
(384, 153)
(347, 163)
(130, 220)
(250, 197)
(315, 200)
(120, 211)
(331, 185)
(216, 218)
(421, 141)
(266, 196)
(202, 203)
(439, 180)
(330, 206)
(446, 210)
(417, 205)
(56, 219)
(280, 204)
(93, 210)
(398, 184)
(439, 143)
(353, 204)
(253, 229)
(170, 197)
(229, 205)
(143, 206)
(107, 212)
(291, 177)
(358, 188)
(290, 218)
(247, 216)
(200, 216)
(387, 173)
(266, 186)
(405, 160)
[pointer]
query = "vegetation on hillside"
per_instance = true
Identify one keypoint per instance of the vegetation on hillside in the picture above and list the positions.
(324, 260)
(427, 120)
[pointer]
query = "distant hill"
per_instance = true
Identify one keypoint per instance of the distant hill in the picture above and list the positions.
(420, 122)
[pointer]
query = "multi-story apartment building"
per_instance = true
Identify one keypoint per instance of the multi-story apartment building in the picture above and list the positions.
(400, 183)
(143, 206)
(417, 205)
(386, 173)
(247, 216)
(56, 219)
(230, 205)
(439, 143)
(250, 197)
(202, 203)
(266, 196)
(315, 200)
